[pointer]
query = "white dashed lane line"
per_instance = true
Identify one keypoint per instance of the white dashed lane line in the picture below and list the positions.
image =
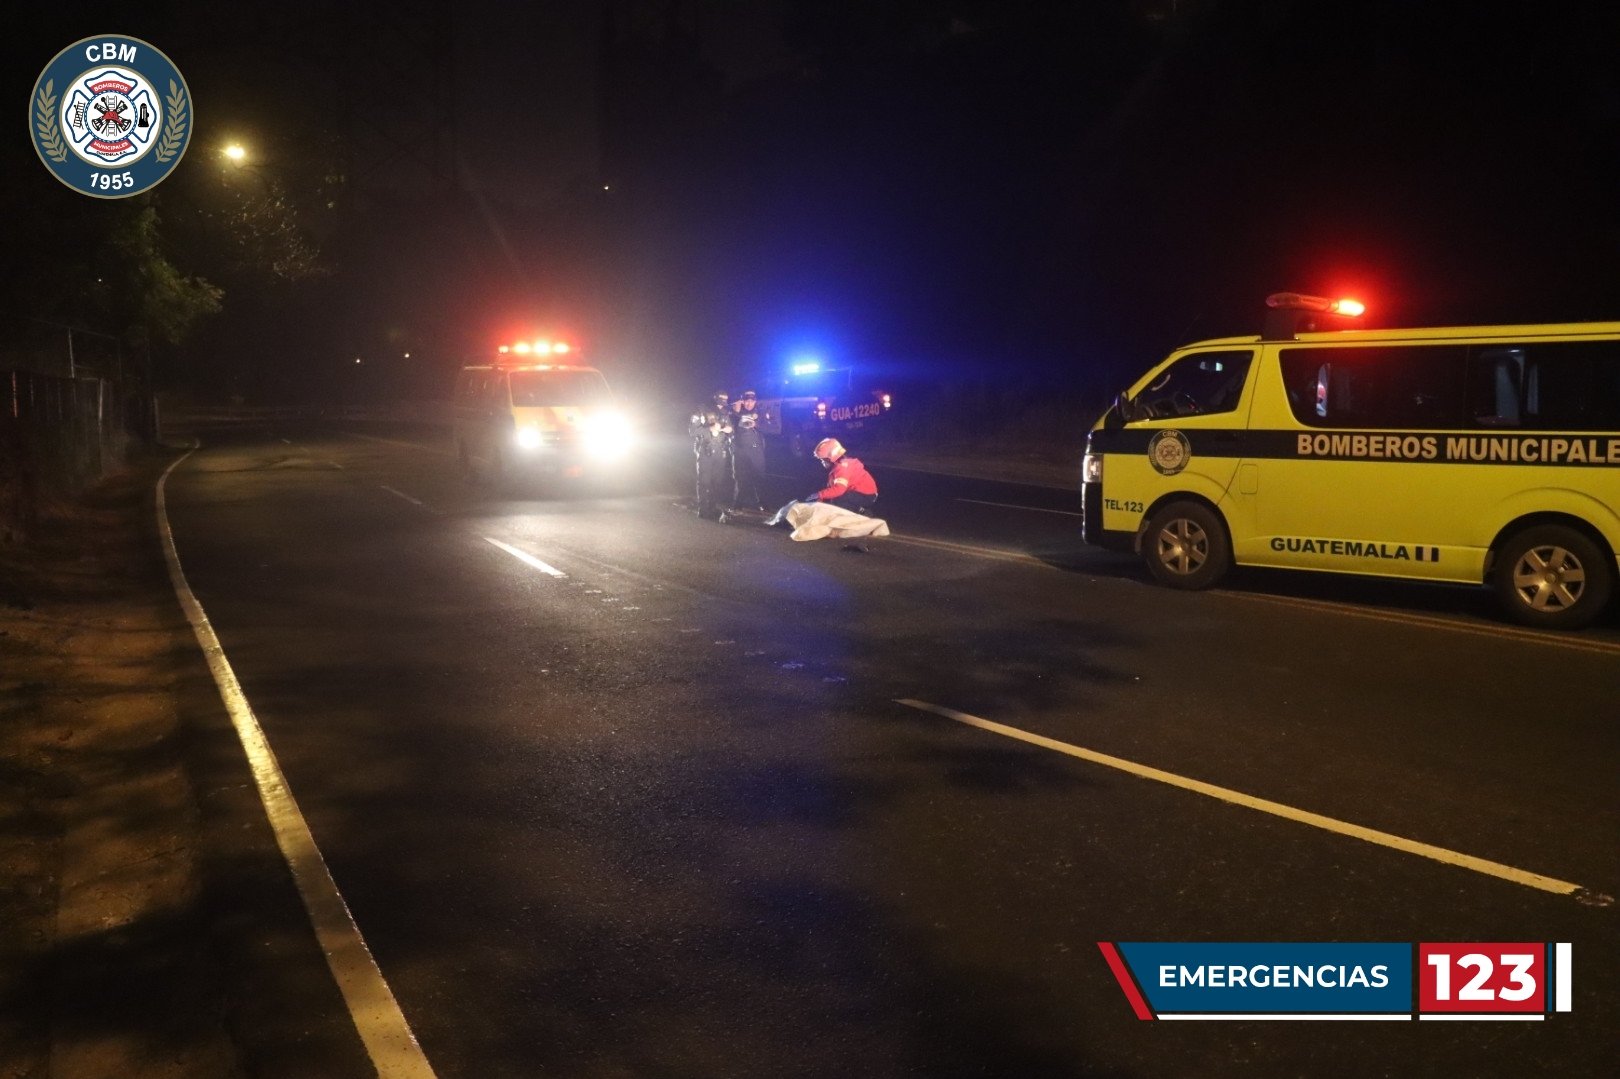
(1276, 809)
(402, 494)
(526, 558)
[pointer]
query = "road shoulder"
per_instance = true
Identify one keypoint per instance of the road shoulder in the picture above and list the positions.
(126, 930)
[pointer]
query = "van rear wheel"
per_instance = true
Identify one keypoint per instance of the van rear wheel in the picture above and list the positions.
(1553, 576)
(1185, 546)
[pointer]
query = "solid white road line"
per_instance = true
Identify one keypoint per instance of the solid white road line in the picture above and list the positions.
(387, 1037)
(526, 558)
(1011, 506)
(403, 495)
(1276, 809)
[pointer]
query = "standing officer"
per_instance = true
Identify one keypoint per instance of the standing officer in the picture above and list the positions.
(711, 446)
(749, 453)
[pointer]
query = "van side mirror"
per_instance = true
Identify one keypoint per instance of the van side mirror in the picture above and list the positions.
(1121, 412)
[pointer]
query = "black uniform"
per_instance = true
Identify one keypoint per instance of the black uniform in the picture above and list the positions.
(749, 452)
(711, 446)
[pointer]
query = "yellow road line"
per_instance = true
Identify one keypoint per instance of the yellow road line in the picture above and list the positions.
(1528, 636)
(996, 553)
(424, 447)
(377, 1018)
(1015, 506)
(1276, 809)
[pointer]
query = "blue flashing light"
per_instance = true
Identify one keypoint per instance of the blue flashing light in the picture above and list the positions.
(809, 367)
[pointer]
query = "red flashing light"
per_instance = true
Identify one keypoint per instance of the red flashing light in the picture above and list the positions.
(535, 348)
(1294, 301)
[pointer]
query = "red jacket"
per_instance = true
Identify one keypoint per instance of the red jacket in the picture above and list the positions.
(848, 474)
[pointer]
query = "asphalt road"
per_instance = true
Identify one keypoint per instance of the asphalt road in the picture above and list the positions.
(658, 812)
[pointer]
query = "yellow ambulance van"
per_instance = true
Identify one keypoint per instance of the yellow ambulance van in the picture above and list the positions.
(532, 411)
(1478, 454)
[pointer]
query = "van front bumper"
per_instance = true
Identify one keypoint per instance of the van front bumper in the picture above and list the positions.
(1091, 522)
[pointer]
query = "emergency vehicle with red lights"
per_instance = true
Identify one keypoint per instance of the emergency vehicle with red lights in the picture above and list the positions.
(535, 409)
(1478, 454)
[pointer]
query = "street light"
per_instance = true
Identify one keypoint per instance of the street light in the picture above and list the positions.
(236, 152)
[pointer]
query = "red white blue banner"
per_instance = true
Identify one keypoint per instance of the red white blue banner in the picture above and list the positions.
(1343, 981)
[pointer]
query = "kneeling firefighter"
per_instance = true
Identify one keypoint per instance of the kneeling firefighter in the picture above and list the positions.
(849, 485)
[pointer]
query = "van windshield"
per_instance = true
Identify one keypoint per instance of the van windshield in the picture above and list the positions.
(1199, 384)
(539, 389)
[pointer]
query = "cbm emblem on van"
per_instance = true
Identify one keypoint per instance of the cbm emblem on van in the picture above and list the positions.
(111, 116)
(1169, 452)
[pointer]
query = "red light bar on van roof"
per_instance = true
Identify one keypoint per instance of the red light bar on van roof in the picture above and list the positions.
(539, 348)
(1293, 301)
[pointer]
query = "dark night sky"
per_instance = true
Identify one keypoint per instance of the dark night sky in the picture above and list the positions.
(1054, 192)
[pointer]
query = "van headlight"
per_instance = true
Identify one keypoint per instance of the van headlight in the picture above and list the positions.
(1091, 468)
(528, 437)
(607, 435)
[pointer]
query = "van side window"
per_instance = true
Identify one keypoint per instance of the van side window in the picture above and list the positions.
(1548, 385)
(1196, 385)
(1394, 386)
(1496, 386)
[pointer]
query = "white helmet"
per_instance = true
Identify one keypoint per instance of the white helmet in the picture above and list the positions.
(828, 450)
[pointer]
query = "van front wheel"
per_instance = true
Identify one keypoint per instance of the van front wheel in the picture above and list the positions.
(1186, 546)
(1554, 577)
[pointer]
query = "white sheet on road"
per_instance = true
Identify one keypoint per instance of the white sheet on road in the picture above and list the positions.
(820, 520)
